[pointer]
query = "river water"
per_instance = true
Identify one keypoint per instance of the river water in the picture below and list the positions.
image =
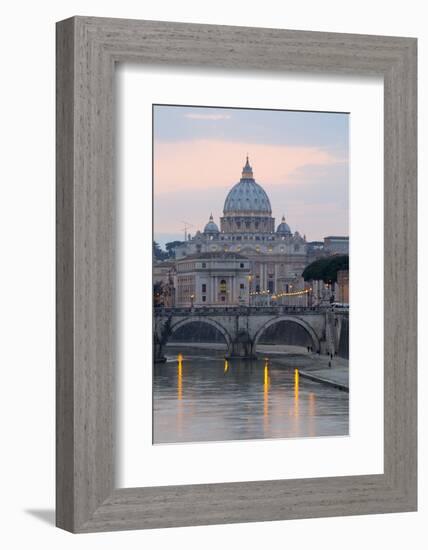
(200, 396)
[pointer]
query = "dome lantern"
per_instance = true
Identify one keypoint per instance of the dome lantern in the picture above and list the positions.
(247, 171)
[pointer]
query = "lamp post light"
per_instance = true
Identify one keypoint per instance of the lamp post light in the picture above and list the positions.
(250, 288)
(192, 297)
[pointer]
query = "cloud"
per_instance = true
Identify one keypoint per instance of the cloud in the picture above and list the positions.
(201, 164)
(201, 116)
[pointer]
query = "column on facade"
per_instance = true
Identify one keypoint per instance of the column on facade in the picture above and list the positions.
(265, 278)
(275, 277)
(229, 292)
(213, 289)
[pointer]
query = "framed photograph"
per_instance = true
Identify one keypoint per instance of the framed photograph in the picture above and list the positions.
(236, 274)
(244, 300)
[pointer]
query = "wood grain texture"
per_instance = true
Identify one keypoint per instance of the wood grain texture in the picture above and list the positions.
(87, 50)
(64, 277)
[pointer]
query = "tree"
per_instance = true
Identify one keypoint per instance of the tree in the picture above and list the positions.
(326, 269)
(158, 253)
(171, 246)
(158, 293)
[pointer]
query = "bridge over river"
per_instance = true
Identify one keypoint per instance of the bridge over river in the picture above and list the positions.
(243, 327)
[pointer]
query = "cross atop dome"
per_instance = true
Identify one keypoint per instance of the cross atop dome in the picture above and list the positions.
(247, 172)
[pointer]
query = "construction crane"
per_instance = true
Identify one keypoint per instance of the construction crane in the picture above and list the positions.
(187, 226)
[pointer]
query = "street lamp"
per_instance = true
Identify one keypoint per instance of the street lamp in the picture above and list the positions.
(192, 297)
(250, 279)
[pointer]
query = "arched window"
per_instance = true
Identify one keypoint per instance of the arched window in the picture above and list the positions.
(223, 286)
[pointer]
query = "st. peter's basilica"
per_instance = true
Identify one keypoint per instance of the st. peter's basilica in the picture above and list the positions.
(248, 259)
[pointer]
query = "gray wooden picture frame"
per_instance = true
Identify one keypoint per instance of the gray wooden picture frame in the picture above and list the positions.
(87, 51)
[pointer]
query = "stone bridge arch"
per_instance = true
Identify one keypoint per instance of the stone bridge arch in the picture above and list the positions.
(200, 319)
(292, 319)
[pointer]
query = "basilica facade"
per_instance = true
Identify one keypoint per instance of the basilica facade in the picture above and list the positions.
(246, 259)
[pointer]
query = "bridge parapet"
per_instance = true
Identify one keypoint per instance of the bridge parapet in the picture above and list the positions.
(240, 311)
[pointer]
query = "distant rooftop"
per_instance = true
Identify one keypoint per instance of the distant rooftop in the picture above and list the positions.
(213, 255)
(164, 263)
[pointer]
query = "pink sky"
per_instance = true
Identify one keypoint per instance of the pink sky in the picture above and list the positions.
(199, 164)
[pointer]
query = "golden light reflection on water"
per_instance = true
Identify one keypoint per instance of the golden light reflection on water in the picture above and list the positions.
(179, 376)
(312, 404)
(226, 365)
(266, 383)
(296, 392)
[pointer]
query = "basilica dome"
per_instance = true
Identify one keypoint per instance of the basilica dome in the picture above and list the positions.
(283, 228)
(247, 196)
(211, 228)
